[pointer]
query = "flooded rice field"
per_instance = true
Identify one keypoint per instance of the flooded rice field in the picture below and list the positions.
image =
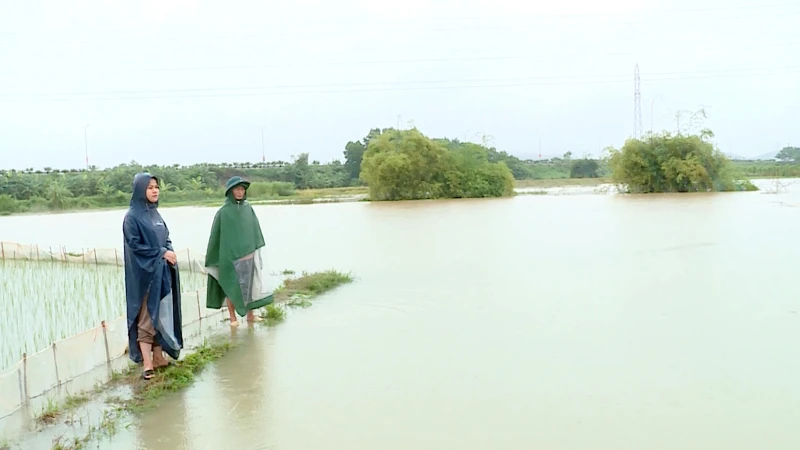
(565, 322)
(48, 301)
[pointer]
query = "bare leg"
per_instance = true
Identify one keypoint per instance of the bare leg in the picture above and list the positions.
(232, 312)
(158, 357)
(147, 361)
(252, 317)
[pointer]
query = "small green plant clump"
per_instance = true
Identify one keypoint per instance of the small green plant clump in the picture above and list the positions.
(297, 292)
(176, 376)
(311, 284)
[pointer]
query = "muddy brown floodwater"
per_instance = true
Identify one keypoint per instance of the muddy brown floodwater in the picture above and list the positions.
(599, 322)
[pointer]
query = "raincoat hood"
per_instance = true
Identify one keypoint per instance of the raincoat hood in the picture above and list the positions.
(232, 183)
(139, 193)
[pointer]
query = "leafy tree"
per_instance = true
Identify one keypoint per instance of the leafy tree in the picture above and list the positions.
(58, 194)
(789, 154)
(7, 204)
(667, 163)
(585, 168)
(353, 154)
(405, 165)
(301, 171)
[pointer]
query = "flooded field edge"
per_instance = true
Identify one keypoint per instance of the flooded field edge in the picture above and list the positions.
(565, 186)
(92, 408)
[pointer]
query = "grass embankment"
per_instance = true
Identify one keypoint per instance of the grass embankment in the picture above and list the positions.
(141, 395)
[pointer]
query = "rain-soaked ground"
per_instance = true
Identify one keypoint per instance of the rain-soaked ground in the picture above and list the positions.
(558, 322)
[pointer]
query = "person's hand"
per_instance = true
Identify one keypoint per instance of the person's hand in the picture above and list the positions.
(171, 257)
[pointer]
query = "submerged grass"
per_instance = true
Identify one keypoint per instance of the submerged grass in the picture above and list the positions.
(311, 285)
(50, 412)
(173, 378)
(298, 292)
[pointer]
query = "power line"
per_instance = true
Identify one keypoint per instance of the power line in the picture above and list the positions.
(381, 86)
(658, 17)
(357, 90)
(412, 61)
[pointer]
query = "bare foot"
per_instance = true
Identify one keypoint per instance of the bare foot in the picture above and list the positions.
(255, 319)
(160, 362)
(234, 323)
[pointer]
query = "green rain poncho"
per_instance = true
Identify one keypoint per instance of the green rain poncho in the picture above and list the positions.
(233, 258)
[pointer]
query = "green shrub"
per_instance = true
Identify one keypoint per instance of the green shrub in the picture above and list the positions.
(270, 189)
(406, 165)
(667, 163)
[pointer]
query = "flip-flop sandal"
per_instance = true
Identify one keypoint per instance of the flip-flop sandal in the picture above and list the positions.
(149, 374)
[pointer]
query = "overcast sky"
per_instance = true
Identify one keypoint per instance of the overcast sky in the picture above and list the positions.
(186, 81)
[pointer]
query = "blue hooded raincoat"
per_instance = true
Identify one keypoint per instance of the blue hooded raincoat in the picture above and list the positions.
(148, 273)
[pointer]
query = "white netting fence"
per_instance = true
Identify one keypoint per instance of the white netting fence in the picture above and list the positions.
(187, 260)
(36, 375)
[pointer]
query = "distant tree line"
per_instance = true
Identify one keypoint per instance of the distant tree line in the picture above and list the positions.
(53, 189)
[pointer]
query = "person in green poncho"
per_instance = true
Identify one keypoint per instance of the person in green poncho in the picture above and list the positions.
(233, 258)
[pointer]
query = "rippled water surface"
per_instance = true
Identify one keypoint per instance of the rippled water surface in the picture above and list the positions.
(550, 322)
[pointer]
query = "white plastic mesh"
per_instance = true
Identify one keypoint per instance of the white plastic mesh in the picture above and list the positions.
(190, 311)
(80, 354)
(40, 369)
(117, 332)
(187, 259)
(10, 396)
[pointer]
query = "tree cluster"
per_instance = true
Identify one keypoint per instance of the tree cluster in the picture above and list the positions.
(405, 165)
(789, 155)
(673, 163)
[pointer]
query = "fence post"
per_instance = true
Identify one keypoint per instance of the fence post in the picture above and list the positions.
(116, 257)
(95, 257)
(25, 376)
(3, 250)
(51, 255)
(105, 339)
(21, 388)
(199, 311)
(189, 261)
(55, 363)
(38, 256)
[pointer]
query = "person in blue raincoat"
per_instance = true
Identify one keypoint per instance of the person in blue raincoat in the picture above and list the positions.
(152, 280)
